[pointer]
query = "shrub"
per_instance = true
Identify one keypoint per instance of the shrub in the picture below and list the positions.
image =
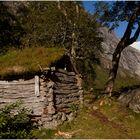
(14, 124)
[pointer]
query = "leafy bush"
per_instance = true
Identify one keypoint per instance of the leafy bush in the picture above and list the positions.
(14, 124)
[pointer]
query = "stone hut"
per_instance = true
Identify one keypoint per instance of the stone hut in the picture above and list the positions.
(52, 95)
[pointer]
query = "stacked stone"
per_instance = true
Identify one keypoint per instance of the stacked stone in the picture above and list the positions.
(43, 87)
(66, 92)
(49, 110)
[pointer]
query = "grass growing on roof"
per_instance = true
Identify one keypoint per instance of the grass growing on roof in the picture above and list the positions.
(17, 61)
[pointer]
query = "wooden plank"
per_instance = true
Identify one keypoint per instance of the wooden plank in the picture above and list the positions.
(17, 83)
(37, 86)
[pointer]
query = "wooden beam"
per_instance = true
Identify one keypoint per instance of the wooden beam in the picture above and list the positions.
(37, 86)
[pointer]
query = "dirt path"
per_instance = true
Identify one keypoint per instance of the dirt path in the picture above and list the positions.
(104, 119)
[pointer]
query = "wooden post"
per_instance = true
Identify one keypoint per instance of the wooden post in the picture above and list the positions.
(37, 86)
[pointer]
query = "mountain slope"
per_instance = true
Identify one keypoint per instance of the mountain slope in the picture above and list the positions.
(130, 57)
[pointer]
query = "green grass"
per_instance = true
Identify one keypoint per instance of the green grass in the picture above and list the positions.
(17, 61)
(42, 134)
(120, 82)
(88, 126)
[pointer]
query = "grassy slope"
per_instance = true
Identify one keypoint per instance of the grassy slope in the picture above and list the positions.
(28, 60)
(127, 123)
(102, 75)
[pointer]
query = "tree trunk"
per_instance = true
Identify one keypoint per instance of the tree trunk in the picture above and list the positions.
(125, 41)
(74, 41)
(74, 37)
(114, 69)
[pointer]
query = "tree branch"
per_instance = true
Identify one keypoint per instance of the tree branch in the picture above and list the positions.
(134, 38)
(128, 31)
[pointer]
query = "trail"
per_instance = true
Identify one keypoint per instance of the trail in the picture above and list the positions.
(104, 119)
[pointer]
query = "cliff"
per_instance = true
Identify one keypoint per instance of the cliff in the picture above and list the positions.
(130, 57)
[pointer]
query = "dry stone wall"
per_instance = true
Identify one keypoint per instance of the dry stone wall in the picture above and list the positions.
(57, 99)
(64, 94)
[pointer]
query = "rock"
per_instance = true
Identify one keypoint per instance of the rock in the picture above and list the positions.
(135, 103)
(64, 118)
(59, 115)
(55, 116)
(70, 117)
(50, 97)
(91, 90)
(50, 108)
(47, 118)
(125, 98)
(95, 108)
(50, 84)
(131, 99)
(62, 91)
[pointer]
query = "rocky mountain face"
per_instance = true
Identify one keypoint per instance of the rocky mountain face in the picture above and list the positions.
(130, 57)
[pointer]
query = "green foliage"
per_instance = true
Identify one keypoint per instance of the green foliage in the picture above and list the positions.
(11, 30)
(52, 24)
(98, 80)
(49, 24)
(73, 107)
(111, 13)
(44, 24)
(14, 125)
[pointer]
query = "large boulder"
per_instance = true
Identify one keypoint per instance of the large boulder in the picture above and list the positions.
(131, 99)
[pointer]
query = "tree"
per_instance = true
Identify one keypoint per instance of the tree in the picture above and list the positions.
(61, 24)
(85, 40)
(10, 28)
(111, 14)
